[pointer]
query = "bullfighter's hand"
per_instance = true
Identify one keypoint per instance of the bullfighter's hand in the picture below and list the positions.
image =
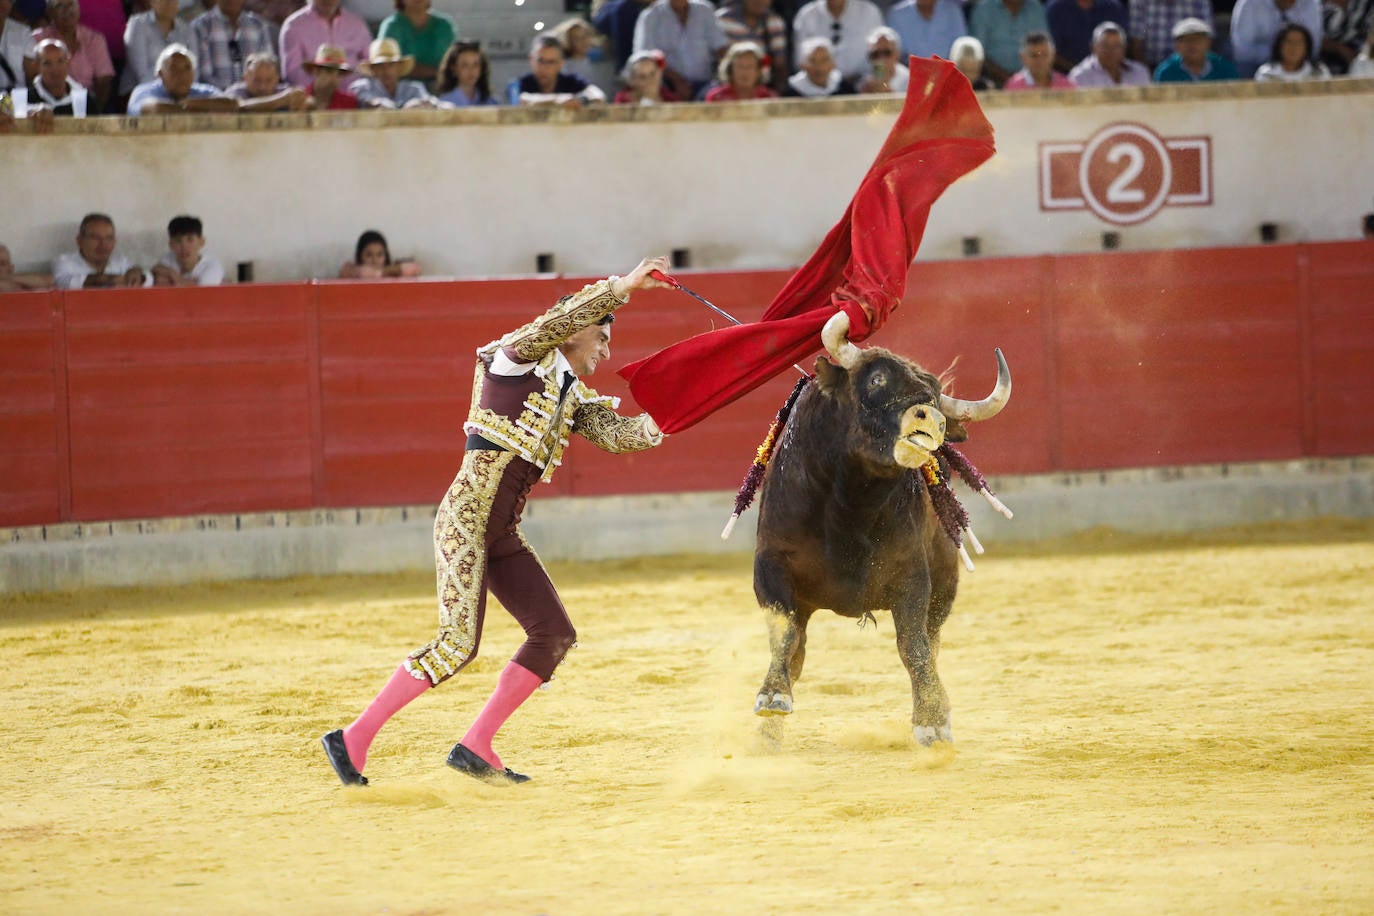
(641, 277)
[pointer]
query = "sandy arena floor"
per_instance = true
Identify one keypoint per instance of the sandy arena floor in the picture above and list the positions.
(1142, 726)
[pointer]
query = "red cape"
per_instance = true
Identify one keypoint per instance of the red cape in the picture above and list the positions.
(939, 136)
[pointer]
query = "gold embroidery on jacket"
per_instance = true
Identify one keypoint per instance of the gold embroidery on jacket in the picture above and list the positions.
(569, 315)
(460, 555)
(608, 430)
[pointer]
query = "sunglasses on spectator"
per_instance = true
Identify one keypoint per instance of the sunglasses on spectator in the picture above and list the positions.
(881, 52)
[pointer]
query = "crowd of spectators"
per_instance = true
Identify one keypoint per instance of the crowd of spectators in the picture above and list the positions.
(94, 262)
(60, 59)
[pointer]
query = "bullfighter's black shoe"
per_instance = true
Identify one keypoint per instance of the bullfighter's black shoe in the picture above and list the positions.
(465, 761)
(337, 753)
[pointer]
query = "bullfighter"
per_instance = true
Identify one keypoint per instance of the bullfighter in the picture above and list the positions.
(528, 397)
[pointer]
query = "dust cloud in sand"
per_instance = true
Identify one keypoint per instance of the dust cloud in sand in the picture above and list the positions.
(1163, 725)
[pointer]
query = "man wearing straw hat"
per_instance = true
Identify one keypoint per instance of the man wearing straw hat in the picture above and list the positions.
(382, 85)
(327, 72)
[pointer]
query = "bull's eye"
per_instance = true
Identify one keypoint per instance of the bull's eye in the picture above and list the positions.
(877, 381)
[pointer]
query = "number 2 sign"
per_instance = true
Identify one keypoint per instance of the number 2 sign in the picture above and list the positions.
(1125, 173)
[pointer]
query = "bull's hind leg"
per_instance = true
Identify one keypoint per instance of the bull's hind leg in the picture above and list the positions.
(930, 719)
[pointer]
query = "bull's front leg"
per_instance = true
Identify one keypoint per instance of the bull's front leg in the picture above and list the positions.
(930, 713)
(787, 642)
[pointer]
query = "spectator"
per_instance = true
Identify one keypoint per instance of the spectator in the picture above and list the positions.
(616, 20)
(1290, 60)
(17, 50)
(755, 20)
(421, 33)
(465, 76)
(1345, 26)
(888, 74)
(94, 264)
(1107, 65)
(274, 13)
(53, 87)
(326, 72)
(818, 76)
(1254, 23)
(1037, 66)
(382, 84)
(1073, 24)
(927, 28)
(144, 38)
(1150, 38)
(689, 35)
(1001, 25)
(967, 54)
(90, 63)
(372, 260)
(547, 84)
(742, 75)
(262, 89)
(11, 282)
(644, 78)
(1193, 59)
(185, 263)
(320, 23)
(1364, 63)
(579, 41)
(848, 24)
(225, 36)
(175, 90)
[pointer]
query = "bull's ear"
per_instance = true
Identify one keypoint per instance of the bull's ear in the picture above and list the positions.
(955, 431)
(828, 374)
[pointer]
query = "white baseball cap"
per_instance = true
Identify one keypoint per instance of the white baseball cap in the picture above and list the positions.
(1191, 26)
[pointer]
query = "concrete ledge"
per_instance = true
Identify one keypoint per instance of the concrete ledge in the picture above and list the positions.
(373, 540)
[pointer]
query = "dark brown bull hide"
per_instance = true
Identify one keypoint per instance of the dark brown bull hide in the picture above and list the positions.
(846, 523)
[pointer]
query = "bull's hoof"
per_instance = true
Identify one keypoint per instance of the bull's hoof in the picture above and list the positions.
(929, 735)
(772, 704)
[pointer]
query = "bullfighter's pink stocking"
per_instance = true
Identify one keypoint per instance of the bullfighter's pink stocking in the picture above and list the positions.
(400, 690)
(514, 687)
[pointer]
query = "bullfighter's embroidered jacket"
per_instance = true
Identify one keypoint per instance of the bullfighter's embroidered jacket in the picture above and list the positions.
(533, 414)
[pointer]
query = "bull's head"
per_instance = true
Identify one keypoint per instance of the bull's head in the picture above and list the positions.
(903, 414)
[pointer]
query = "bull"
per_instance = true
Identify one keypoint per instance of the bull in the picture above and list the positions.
(846, 522)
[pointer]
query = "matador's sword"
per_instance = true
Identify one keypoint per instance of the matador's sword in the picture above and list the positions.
(673, 282)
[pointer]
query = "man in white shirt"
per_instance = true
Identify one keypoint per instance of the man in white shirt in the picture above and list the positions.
(17, 64)
(185, 263)
(848, 24)
(691, 39)
(94, 265)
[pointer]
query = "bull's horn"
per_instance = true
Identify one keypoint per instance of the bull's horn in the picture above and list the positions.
(989, 407)
(835, 336)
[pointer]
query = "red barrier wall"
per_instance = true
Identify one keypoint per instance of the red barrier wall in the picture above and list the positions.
(148, 403)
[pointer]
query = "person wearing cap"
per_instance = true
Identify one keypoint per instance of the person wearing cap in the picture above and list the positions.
(323, 22)
(886, 72)
(1255, 23)
(1108, 65)
(1149, 32)
(382, 84)
(1193, 59)
(530, 395)
(175, 91)
(1073, 24)
(643, 76)
(327, 71)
